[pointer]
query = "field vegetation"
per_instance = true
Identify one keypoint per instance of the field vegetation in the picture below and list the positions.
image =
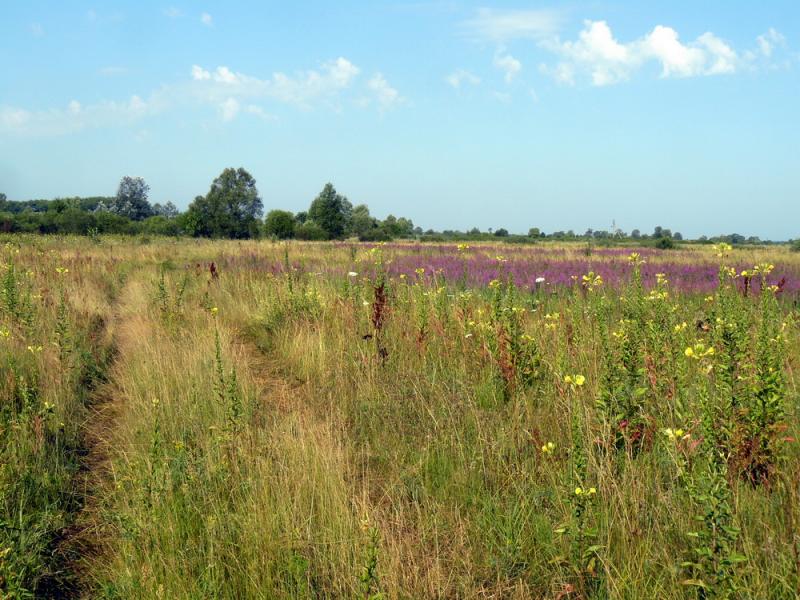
(282, 419)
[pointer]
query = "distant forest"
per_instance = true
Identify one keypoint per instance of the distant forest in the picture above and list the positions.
(233, 209)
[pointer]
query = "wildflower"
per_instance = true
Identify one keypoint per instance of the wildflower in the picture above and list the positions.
(214, 310)
(62, 270)
(674, 434)
(494, 283)
(539, 280)
(155, 402)
(354, 274)
(548, 448)
(592, 491)
(689, 352)
(500, 258)
(576, 380)
(634, 258)
(578, 491)
(463, 247)
(680, 327)
(4, 333)
(34, 349)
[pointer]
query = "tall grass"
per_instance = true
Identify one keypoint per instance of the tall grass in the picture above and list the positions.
(306, 421)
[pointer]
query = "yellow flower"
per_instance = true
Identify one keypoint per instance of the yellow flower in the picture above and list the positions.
(214, 310)
(689, 352)
(578, 491)
(548, 448)
(580, 380)
(592, 491)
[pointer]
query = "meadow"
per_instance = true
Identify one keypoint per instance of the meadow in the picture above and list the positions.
(259, 419)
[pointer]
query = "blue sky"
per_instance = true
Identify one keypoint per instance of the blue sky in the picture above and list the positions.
(453, 113)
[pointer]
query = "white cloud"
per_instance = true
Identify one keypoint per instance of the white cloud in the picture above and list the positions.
(606, 60)
(504, 25)
(173, 12)
(206, 19)
(300, 89)
(199, 73)
(769, 41)
(461, 77)
(509, 65)
(229, 109)
(385, 94)
(37, 30)
(74, 117)
(228, 92)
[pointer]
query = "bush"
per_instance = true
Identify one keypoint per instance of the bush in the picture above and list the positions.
(310, 231)
(796, 246)
(664, 243)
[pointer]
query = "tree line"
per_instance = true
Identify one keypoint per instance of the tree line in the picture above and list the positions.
(233, 209)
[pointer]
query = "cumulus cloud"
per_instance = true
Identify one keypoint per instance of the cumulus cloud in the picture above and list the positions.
(509, 65)
(462, 77)
(206, 19)
(606, 60)
(769, 41)
(505, 25)
(385, 95)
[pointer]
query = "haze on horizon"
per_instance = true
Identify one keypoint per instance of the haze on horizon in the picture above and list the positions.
(454, 114)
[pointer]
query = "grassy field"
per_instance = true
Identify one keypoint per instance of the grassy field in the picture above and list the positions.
(214, 419)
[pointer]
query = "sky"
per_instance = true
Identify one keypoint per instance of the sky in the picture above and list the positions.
(455, 114)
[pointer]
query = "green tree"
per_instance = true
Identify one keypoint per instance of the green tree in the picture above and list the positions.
(232, 208)
(361, 222)
(330, 211)
(131, 199)
(279, 223)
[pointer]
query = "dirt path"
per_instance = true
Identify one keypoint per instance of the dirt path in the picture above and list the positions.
(82, 542)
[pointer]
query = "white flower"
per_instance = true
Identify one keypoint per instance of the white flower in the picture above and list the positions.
(352, 274)
(540, 280)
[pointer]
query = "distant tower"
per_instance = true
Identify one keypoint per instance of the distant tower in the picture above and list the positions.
(613, 225)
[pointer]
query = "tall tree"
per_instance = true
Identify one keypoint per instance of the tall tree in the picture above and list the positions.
(232, 208)
(361, 222)
(131, 200)
(330, 211)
